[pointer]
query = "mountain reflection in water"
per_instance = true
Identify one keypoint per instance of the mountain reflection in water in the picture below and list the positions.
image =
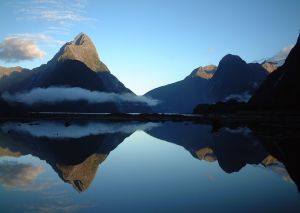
(75, 151)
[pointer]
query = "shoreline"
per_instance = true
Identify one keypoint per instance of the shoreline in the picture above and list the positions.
(274, 119)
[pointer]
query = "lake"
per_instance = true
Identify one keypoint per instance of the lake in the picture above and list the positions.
(53, 166)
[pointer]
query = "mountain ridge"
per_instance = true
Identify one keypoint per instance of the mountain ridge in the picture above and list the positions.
(281, 89)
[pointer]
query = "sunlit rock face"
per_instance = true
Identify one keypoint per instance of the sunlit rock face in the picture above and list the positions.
(81, 49)
(205, 72)
(8, 70)
(270, 67)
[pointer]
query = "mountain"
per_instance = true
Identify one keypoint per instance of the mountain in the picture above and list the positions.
(76, 64)
(182, 96)
(4, 106)
(281, 90)
(82, 49)
(234, 77)
(8, 70)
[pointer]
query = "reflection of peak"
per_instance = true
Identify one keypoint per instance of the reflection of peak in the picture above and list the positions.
(81, 175)
(269, 160)
(4, 152)
(206, 154)
(278, 167)
(75, 159)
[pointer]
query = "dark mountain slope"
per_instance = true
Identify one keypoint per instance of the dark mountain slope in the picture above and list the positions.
(182, 96)
(281, 90)
(235, 77)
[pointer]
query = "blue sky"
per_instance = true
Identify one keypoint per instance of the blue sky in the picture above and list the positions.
(152, 43)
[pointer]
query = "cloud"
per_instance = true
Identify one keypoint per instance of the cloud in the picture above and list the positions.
(58, 130)
(14, 49)
(60, 94)
(239, 130)
(14, 174)
(210, 50)
(38, 38)
(244, 97)
(279, 58)
(59, 206)
(283, 53)
(61, 14)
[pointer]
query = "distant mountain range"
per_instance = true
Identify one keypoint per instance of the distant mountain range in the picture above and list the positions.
(233, 78)
(77, 65)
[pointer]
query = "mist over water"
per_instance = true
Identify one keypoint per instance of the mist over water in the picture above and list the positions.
(52, 95)
(58, 130)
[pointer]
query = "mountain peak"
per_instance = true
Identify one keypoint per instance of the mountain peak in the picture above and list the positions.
(82, 39)
(81, 49)
(231, 57)
(229, 61)
(9, 70)
(205, 72)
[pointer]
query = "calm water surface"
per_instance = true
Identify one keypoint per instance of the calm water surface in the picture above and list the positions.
(140, 167)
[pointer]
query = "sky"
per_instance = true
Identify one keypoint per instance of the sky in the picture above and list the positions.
(144, 43)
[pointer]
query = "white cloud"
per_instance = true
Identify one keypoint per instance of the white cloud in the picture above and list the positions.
(243, 97)
(62, 16)
(60, 94)
(59, 14)
(38, 38)
(14, 49)
(282, 54)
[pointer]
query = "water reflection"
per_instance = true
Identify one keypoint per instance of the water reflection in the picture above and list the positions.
(233, 149)
(75, 151)
(14, 174)
(75, 157)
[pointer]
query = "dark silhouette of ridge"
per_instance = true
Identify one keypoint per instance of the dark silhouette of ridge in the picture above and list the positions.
(281, 90)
